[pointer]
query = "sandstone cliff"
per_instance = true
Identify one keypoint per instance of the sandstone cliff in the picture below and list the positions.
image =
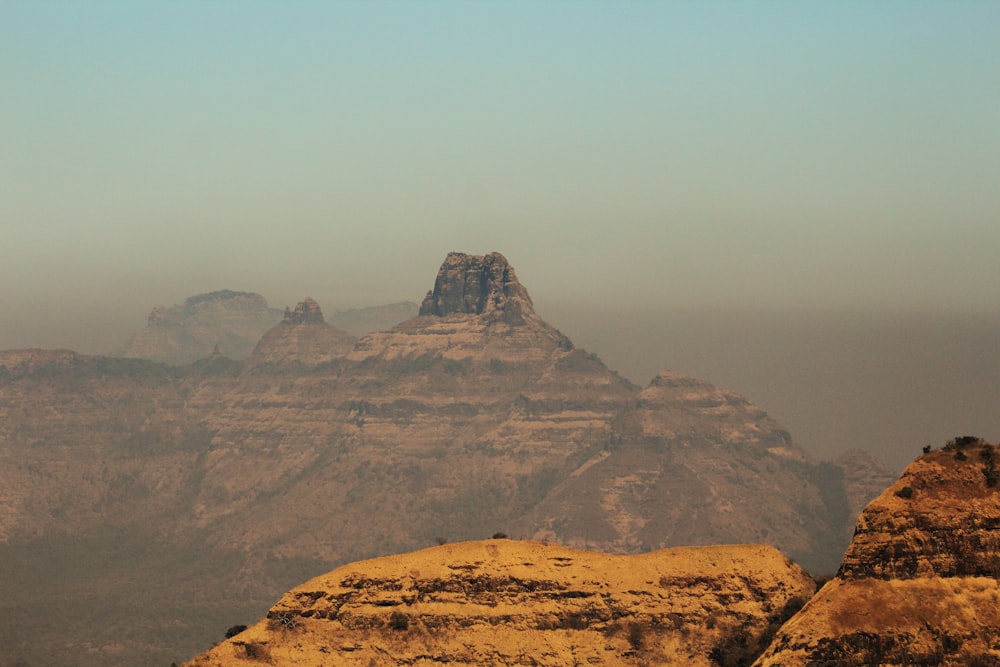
(919, 583)
(501, 602)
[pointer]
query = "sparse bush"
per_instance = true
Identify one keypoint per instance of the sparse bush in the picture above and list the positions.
(636, 635)
(736, 649)
(500, 536)
(927, 449)
(905, 493)
(960, 456)
(987, 453)
(573, 620)
(441, 540)
(282, 622)
(991, 474)
(235, 630)
(453, 367)
(399, 621)
(256, 651)
(497, 367)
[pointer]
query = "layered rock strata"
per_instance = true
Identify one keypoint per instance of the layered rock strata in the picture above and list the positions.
(919, 583)
(501, 602)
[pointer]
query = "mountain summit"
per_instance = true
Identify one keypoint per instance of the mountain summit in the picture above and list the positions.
(478, 285)
(306, 312)
(302, 338)
(920, 582)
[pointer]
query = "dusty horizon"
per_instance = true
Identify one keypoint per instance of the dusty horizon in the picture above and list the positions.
(795, 201)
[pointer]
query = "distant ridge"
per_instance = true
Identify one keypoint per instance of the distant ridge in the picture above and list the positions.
(228, 320)
(302, 338)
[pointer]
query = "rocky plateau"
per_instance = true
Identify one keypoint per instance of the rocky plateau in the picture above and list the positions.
(501, 602)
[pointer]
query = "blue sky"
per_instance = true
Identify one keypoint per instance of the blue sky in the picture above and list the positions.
(650, 154)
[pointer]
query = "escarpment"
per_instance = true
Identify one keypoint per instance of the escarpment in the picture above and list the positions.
(231, 321)
(919, 583)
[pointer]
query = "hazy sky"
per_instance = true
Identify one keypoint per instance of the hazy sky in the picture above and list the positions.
(652, 155)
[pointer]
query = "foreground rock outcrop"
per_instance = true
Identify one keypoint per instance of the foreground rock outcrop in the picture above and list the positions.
(503, 602)
(920, 583)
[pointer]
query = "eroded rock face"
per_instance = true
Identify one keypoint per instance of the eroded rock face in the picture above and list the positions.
(306, 312)
(478, 285)
(501, 602)
(919, 583)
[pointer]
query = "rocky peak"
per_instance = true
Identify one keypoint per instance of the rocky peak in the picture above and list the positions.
(941, 518)
(306, 312)
(302, 338)
(478, 285)
(920, 582)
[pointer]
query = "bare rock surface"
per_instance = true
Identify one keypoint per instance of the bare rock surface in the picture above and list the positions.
(503, 602)
(919, 583)
(478, 285)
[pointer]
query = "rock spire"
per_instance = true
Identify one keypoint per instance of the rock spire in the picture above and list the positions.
(478, 285)
(306, 311)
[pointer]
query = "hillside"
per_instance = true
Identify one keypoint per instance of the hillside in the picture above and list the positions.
(920, 582)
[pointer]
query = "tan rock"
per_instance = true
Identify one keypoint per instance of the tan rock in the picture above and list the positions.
(919, 583)
(502, 602)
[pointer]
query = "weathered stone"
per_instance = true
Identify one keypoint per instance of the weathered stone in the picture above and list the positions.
(503, 602)
(920, 582)
(478, 285)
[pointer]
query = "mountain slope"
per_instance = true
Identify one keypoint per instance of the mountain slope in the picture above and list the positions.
(921, 580)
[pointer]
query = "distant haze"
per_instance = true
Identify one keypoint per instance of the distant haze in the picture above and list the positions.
(795, 200)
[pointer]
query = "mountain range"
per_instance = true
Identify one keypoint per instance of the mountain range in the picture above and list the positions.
(917, 586)
(159, 503)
